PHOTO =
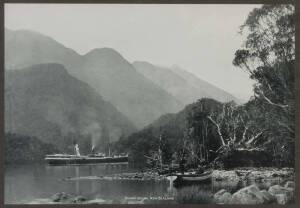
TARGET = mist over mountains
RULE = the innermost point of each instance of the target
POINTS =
(118, 82)
(104, 69)
(184, 86)
(46, 102)
(101, 84)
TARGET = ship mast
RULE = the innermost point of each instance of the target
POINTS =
(108, 146)
(160, 153)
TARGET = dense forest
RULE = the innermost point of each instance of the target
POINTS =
(260, 132)
(20, 149)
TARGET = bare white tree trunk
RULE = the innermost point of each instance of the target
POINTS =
(218, 130)
(253, 138)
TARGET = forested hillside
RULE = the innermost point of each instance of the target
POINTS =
(20, 149)
(259, 133)
(46, 102)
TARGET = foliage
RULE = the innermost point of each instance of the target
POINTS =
(176, 136)
(269, 58)
(232, 158)
(20, 149)
(208, 130)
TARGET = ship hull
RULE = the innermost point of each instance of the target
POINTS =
(85, 160)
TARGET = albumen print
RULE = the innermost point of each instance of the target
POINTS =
(149, 104)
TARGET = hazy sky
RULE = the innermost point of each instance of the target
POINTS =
(201, 39)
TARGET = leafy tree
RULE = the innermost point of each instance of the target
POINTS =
(269, 53)
(21, 149)
(268, 56)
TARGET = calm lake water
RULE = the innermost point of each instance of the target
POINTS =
(26, 183)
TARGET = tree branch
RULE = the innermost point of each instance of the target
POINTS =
(287, 127)
(270, 102)
(218, 129)
(249, 142)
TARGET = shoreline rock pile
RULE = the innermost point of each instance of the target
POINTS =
(140, 176)
(253, 195)
(256, 174)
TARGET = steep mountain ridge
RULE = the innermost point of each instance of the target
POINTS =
(204, 87)
(24, 48)
(46, 102)
(186, 87)
(119, 82)
(104, 69)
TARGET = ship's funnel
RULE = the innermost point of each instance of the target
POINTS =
(77, 150)
(93, 149)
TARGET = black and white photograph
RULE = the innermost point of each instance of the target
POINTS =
(149, 103)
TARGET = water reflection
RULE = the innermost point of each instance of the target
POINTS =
(230, 185)
(27, 183)
(42, 181)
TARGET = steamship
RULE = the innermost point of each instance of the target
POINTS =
(78, 159)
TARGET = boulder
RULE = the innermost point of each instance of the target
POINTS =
(79, 199)
(98, 201)
(67, 198)
(225, 175)
(250, 195)
(268, 198)
(277, 189)
(222, 197)
(59, 197)
(220, 193)
(290, 184)
(282, 199)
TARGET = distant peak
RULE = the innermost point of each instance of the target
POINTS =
(105, 50)
(36, 37)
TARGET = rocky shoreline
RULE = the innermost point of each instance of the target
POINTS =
(138, 176)
(251, 194)
(257, 174)
(65, 198)
(239, 174)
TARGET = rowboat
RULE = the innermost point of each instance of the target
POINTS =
(183, 179)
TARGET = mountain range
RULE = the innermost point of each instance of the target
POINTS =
(184, 86)
(103, 69)
(46, 102)
(141, 91)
